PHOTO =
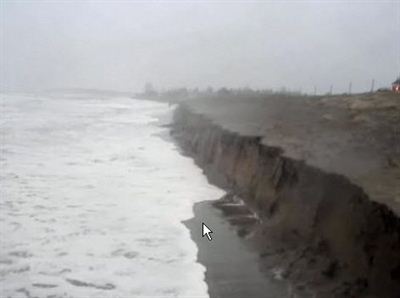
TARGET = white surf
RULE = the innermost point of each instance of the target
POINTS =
(92, 200)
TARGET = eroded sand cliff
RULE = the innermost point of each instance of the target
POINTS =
(314, 222)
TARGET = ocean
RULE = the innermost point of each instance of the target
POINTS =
(92, 197)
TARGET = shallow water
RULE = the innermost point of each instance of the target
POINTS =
(92, 200)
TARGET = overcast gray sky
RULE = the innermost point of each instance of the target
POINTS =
(122, 44)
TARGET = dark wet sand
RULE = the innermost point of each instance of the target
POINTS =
(232, 267)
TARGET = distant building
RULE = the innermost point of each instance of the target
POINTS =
(396, 86)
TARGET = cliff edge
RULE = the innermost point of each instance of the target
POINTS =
(313, 184)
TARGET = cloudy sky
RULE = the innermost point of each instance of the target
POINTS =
(261, 44)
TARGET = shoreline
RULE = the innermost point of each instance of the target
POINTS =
(233, 269)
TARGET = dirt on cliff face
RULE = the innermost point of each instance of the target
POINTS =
(316, 228)
(357, 136)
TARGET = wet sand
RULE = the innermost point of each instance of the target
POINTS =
(232, 266)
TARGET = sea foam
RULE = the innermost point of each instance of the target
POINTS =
(92, 200)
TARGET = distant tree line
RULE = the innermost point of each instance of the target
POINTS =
(182, 92)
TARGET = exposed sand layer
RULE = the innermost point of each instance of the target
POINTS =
(356, 136)
(318, 178)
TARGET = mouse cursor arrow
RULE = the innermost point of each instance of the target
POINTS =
(206, 231)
